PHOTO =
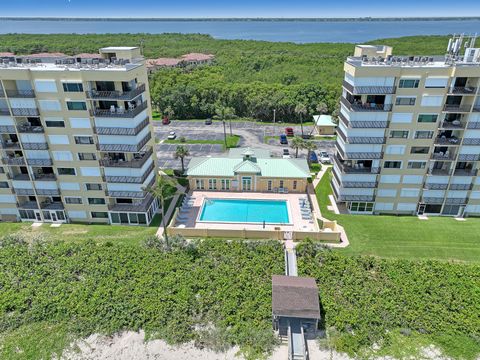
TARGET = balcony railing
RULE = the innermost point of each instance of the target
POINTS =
(440, 172)
(456, 108)
(118, 113)
(366, 140)
(465, 172)
(8, 144)
(473, 125)
(468, 157)
(48, 192)
(30, 129)
(2, 93)
(359, 184)
(130, 179)
(464, 90)
(447, 141)
(25, 192)
(432, 200)
(366, 106)
(25, 112)
(126, 194)
(35, 146)
(116, 95)
(4, 111)
(373, 90)
(21, 93)
(476, 108)
(14, 160)
(142, 206)
(443, 156)
(122, 131)
(125, 148)
(364, 155)
(134, 163)
(40, 162)
(56, 205)
(470, 141)
(21, 177)
(45, 177)
(358, 169)
(456, 124)
(357, 198)
(29, 205)
(7, 129)
(461, 186)
(456, 201)
(435, 186)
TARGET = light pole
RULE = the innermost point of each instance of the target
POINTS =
(274, 111)
(224, 134)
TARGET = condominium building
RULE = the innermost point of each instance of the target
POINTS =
(76, 138)
(409, 132)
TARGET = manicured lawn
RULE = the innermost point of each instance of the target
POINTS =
(232, 141)
(442, 238)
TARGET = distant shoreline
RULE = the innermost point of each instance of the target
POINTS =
(259, 19)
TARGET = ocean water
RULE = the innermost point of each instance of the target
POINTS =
(292, 31)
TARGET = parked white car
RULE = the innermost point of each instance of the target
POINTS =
(171, 135)
(324, 157)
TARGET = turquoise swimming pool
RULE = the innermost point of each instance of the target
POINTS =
(245, 211)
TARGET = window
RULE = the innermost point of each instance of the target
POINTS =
(399, 134)
(87, 156)
(212, 184)
(96, 201)
(199, 184)
(408, 83)
(294, 184)
(281, 184)
(83, 140)
(361, 206)
(225, 184)
(392, 164)
(3, 184)
(55, 123)
(99, 215)
(76, 105)
(405, 101)
(92, 187)
(423, 134)
(66, 171)
(419, 150)
(417, 164)
(73, 200)
(72, 87)
(427, 118)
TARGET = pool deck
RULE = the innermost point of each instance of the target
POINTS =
(293, 199)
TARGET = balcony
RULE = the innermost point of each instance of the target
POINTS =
(130, 179)
(443, 140)
(366, 140)
(141, 206)
(473, 125)
(28, 205)
(358, 106)
(137, 161)
(455, 124)
(434, 186)
(471, 142)
(364, 155)
(7, 129)
(447, 155)
(442, 172)
(119, 113)
(461, 186)
(432, 200)
(40, 162)
(45, 177)
(468, 157)
(25, 112)
(462, 90)
(476, 108)
(48, 192)
(356, 168)
(122, 131)
(357, 198)
(116, 95)
(363, 124)
(25, 192)
(125, 148)
(4, 111)
(35, 146)
(456, 201)
(2, 93)
(20, 160)
(30, 129)
(369, 90)
(126, 194)
(22, 177)
(456, 108)
(359, 184)
(21, 93)
(465, 172)
(9, 144)
(52, 205)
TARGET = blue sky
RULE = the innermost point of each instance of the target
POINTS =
(239, 8)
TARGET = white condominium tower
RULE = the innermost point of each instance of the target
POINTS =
(76, 138)
(408, 138)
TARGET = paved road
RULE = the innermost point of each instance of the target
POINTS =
(252, 134)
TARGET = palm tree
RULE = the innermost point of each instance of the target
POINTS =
(301, 110)
(180, 153)
(322, 108)
(309, 146)
(163, 190)
(225, 113)
(297, 143)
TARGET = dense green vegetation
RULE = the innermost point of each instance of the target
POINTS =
(252, 77)
(370, 301)
(216, 293)
(407, 237)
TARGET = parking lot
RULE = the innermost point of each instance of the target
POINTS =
(165, 153)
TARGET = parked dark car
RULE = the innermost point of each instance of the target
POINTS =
(289, 131)
(313, 157)
(283, 139)
(165, 120)
(208, 122)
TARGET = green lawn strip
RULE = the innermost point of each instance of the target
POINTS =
(232, 141)
(442, 238)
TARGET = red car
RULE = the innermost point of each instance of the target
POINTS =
(289, 131)
(166, 121)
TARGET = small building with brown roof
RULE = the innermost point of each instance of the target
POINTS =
(295, 301)
(197, 58)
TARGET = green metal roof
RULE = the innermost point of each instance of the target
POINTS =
(253, 152)
(323, 120)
